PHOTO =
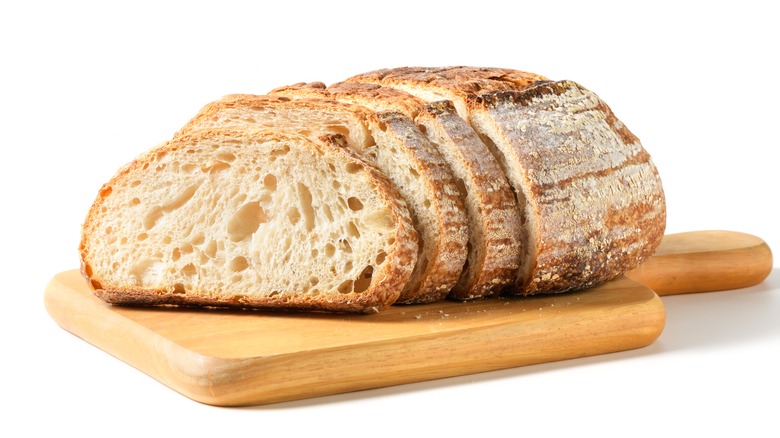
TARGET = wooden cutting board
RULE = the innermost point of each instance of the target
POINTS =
(231, 358)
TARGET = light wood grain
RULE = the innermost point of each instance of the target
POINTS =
(705, 261)
(244, 358)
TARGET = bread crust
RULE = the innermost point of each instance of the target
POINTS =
(593, 195)
(388, 279)
(490, 202)
(594, 188)
(456, 83)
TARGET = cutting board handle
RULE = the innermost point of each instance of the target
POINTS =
(705, 261)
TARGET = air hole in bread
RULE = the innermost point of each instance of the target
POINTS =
(273, 155)
(332, 168)
(346, 287)
(211, 249)
(380, 258)
(109, 230)
(189, 270)
(141, 236)
(314, 253)
(166, 240)
(293, 215)
(348, 267)
(427, 203)
(135, 201)
(338, 129)
(352, 230)
(178, 288)
(105, 191)
(246, 221)
(226, 157)
(135, 183)
(238, 264)
(328, 213)
(216, 167)
(345, 246)
(330, 250)
(151, 218)
(176, 254)
(335, 184)
(353, 167)
(96, 284)
(354, 204)
(123, 240)
(186, 248)
(188, 167)
(304, 196)
(269, 182)
(414, 172)
(363, 282)
(379, 219)
(198, 238)
(313, 281)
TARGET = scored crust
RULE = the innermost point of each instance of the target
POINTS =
(596, 205)
(594, 201)
(458, 83)
(494, 245)
(387, 280)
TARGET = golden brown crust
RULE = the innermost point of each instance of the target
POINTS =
(433, 280)
(374, 97)
(595, 191)
(494, 235)
(389, 279)
(593, 196)
(453, 83)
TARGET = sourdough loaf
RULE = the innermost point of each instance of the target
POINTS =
(396, 146)
(593, 201)
(245, 218)
(494, 248)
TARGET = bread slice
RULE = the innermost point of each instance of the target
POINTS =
(494, 248)
(397, 147)
(250, 219)
(594, 203)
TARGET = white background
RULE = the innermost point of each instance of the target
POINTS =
(85, 87)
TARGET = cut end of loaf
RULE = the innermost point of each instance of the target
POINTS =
(249, 219)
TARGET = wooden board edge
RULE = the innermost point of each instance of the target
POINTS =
(264, 380)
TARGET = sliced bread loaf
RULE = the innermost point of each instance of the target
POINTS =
(594, 204)
(251, 219)
(397, 147)
(494, 248)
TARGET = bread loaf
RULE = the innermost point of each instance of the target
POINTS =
(593, 202)
(397, 147)
(245, 218)
(494, 248)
